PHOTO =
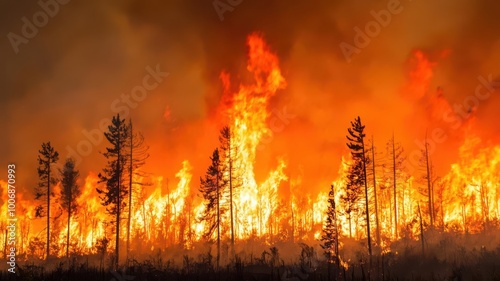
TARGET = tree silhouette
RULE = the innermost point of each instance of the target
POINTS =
(357, 146)
(211, 189)
(137, 156)
(229, 156)
(113, 195)
(330, 237)
(47, 156)
(395, 150)
(421, 224)
(70, 191)
(350, 199)
(429, 179)
(371, 159)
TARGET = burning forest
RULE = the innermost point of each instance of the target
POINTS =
(257, 156)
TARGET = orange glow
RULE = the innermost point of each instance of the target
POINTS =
(167, 213)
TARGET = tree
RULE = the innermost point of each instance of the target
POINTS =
(397, 160)
(421, 224)
(371, 160)
(46, 158)
(330, 237)
(429, 179)
(440, 200)
(350, 199)
(229, 156)
(70, 191)
(357, 146)
(137, 155)
(211, 189)
(113, 195)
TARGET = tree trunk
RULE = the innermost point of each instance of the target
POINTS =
(130, 190)
(429, 185)
(293, 223)
(421, 229)
(395, 188)
(69, 221)
(485, 205)
(366, 203)
(337, 258)
(117, 243)
(218, 220)
(350, 226)
(375, 195)
(48, 210)
(231, 193)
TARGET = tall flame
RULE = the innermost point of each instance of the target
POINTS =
(467, 197)
(248, 114)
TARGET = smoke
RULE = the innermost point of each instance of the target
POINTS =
(65, 79)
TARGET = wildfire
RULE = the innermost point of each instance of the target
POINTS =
(247, 115)
(471, 189)
(467, 198)
(158, 213)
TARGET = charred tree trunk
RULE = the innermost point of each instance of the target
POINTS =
(48, 213)
(130, 189)
(350, 225)
(230, 158)
(485, 206)
(367, 209)
(118, 209)
(429, 184)
(337, 258)
(377, 233)
(218, 222)
(293, 223)
(69, 221)
(421, 229)
(395, 188)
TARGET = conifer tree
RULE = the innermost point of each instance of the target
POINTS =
(114, 192)
(330, 237)
(70, 191)
(357, 146)
(211, 188)
(47, 157)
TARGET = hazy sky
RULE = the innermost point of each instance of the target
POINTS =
(69, 73)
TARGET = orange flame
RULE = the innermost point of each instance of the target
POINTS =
(468, 195)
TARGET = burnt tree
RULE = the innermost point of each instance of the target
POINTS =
(395, 151)
(352, 195)
(211, 189)
(330, 237)
(46, 158)
(229, 155)
(356, 144)
(371, 160)
(114, 192)
(70, 191)
(428, 179)
(137, 156)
